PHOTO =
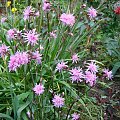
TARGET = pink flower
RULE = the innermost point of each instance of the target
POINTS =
(92, 67)
(46, 6)
(75, 116)
(75, 58)
(37, 13)
(3, 50)
(29, 114)
(60, 66)
(38, 89)
(90, 78)
(77, 75)
(3, 19)
(92, 13)
(107, 74)
(27, 12)
(52, 34)
(32, 37)
(18, 34)
(58, 101)
(67, 19)
(37, 56)
(20, 58)
(11, 33)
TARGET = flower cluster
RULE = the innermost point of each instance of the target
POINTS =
(28, 12)
(20, 58)
(37, 56)
(60, 66)
(92, 13)
(75, 58)
(31, 37)
(90, 78)
(67, 19)
(53, 34)
(11, 34)
(76, 75)
(107, 74)
(3, 19)
(38, 89)
(75, 116)
(46, 6)
(92, 67)
(3, 50)
(58, 101)
(89, 75)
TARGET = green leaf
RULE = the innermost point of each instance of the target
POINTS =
(115, 68)
(79, 25)
(22, 108)
(105, 84)
(73, 92)
(23, 96)
(82, 102)
(15, 103)
(5, 116)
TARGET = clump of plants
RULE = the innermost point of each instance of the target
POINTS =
(47, 71)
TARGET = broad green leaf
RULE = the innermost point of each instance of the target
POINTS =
(5, 116)
(73, 92)
(116, 67)
(22, 108)
(23, 96)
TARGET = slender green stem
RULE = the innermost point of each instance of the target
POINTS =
(48, 23)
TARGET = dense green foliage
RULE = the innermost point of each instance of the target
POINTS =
(92, 39)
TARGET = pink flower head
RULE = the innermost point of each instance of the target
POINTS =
(11, 33)
(75, 116)
(92, 67)
(58, 101)
(37, 56)
(18, 34)
(27, 12)
(60, 66)
(3, 50)
(20, 58)
(46, 6)
(29, 114)
(90, 78)
(76, 75)
(75, 58)
(37, 13)
(52, 34)
(38, 89)
(67, 19)
(92, 13)
(31, 36)
(3, 19)
(107, 74)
